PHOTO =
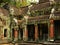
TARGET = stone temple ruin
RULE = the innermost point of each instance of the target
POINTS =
(34, 23)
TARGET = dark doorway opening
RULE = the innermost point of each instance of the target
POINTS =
(43, 32)
(5, 32)
(57, 29)
(12, 33)
(31, 32)
(20, 34)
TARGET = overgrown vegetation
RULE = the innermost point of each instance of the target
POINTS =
(44, 11)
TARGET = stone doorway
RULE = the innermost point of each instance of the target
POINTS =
(31, 32)
(43, 32)
(57, 29)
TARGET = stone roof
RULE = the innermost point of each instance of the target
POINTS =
(57, 0)
(43, 1)
(40, 6)
(4, 12)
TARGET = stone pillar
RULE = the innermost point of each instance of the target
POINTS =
(51, 34)
(25, 33)
(19, 34)
(15, 34)
(36, 32)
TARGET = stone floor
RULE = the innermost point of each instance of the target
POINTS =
(20, 44)
(28, 44)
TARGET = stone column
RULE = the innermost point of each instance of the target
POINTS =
(25, 33)
(15, 34)
(19, 34)
(51, 34)
(36, 32)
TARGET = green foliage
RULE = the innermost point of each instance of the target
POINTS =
(5, 1)
(1, 1)
(57, 6)
(18, 4)
(12, 2)
(24, 3)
